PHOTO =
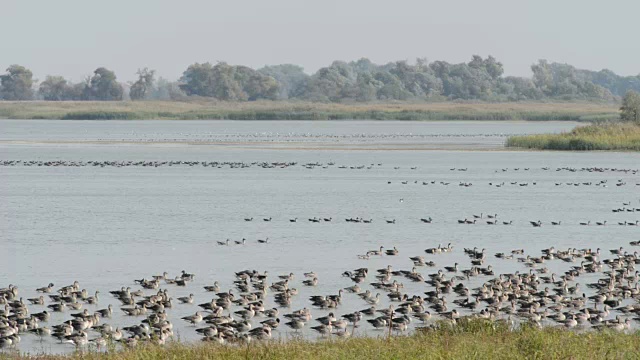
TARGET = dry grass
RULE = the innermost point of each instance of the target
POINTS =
(290, 110)
(475, 340)
(620, 136)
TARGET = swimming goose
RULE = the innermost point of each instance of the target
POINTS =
(295, 324)
(213, 288)
(378, 323)
(37, 301)
(392, 252)
(267, 219)
(311, 282)
(375, 252)
(186, 299)
(248, 219)
(263, 241)
(586, 223)
(240, 242)
(47, 289)
(224, 243)
(193, 319)
(293, 220)
(452, 268)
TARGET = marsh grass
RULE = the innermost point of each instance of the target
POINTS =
(618, 136)
(475, 339)
(295, 110)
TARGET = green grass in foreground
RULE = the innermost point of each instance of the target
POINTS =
(620, 136)
(300, 110)
(474, 340)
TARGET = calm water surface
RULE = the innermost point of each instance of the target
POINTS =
(106, 226)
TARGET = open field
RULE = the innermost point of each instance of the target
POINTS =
(269, 110)
(593, 137)
(475, 340)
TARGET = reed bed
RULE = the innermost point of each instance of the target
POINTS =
(476, 339)
(299, 110)
(618, 136)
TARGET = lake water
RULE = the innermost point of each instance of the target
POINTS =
(106, 225)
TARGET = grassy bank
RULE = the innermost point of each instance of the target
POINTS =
(593, 137)
(269, 110)
(476, 340)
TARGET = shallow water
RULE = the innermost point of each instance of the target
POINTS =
(106, 226)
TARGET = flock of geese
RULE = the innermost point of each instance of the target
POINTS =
(259, 304)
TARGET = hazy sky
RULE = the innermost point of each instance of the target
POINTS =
(73, 37)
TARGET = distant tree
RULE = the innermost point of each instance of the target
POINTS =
(143, 86)
(55, 88)
(630, 109)
(166, 90)
(198, 80)
(16, 83)
(291, 79)
(103, 86)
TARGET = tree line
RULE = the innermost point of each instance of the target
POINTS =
(356, 81)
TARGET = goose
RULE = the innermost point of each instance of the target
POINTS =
(586, 223)
(391, 221)
(392, 252)
(272, 322)
(428, 220)
(556, 222)
(213, 288)
(311, 282)
(47, 289)
(267, 219)
(295, 324)
(105, 313)
(263, 241)
(536, 224)
(186, 299)
(193, 319)
(93, 299)
(224, 243)
(507, 222)
(241, 242)
(378, 323)
(375, 300)
(478, 216)
(492, 216)
(37, 301)
(375, 252)
(293, 220)
(248, 219)
(452, 268)
(327, 219)
(601, 223)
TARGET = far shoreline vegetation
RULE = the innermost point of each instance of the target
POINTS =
(208, 109)
(356, 90)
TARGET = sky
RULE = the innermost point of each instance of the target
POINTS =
(73, 37)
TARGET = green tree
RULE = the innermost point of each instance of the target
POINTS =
(630, 109)
(103, 86)
(143, 86)
(291, 79)
(16, 83)
(198, 80)
(55, 88)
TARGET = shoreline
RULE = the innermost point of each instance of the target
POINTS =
(206, 109)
